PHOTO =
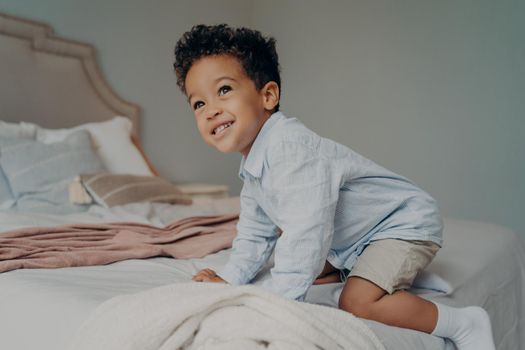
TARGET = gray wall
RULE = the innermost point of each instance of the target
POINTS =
(434, 90)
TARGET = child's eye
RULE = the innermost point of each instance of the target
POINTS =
(197, 105)
(224, 89)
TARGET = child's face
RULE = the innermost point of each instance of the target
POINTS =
(228, 108)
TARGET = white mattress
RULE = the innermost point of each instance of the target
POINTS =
(482, 263)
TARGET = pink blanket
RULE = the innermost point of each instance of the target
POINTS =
(100, 244)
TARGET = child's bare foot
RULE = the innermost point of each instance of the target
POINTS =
(207, 275)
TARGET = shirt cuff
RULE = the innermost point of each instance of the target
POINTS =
(284, 290)
(232, 275)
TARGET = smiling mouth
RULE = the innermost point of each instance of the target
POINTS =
(220, 129)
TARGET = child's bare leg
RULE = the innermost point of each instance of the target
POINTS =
(329, 275)
(332, 277)
(469, 328)
(401, 309)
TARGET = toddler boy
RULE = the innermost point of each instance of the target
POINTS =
(321, 207)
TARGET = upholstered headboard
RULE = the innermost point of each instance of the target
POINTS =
(51, 81)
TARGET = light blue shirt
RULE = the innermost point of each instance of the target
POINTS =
(328, 201)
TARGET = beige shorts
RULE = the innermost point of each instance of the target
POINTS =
(393, 264)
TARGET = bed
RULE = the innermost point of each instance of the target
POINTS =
(56, 83)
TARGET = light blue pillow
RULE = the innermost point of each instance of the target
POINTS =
(6, 197)
(39, 174)
(12, 130)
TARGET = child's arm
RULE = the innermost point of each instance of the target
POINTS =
(304, 198)
(253, 245)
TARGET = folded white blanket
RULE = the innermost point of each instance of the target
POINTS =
(218, 316)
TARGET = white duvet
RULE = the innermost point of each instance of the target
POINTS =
(481, 264)
(216, 317)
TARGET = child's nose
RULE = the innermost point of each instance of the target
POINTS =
(213, 111)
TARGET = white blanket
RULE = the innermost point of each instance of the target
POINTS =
(217, 316)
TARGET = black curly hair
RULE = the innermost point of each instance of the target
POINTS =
(256, 53)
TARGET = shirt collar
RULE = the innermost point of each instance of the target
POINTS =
(253, 163)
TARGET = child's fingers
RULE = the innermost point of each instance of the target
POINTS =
(217, 279)
(209, 272)
(204, 279)
(204, 275)
(197, 278)
(214, 279)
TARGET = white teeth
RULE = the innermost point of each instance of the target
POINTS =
(221, 128)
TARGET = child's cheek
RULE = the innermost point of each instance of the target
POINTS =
(202, 131)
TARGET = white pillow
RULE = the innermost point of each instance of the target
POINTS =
(112, 142)
(18, 130)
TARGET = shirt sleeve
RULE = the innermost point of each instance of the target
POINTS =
(253, 245)
(305, 190)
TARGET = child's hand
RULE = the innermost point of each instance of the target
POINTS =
(207, 275)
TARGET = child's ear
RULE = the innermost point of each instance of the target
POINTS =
(270, 94)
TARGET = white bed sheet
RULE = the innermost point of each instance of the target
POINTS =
(484, 265)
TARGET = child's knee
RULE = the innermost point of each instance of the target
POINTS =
(362, 309)
(360, 297)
